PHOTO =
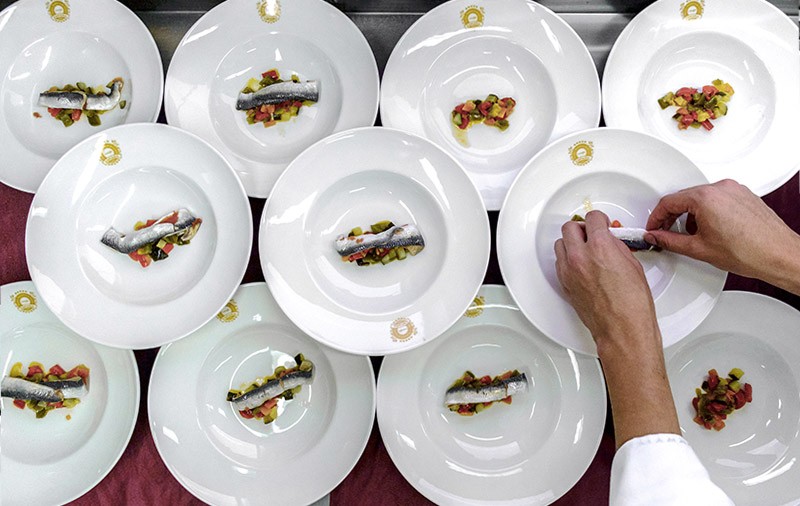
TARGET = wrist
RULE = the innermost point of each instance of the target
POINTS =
(782, 268)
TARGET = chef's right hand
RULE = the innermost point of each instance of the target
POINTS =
(729, 227)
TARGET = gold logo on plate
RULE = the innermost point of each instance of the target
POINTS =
(402, 329)
(472, 16)
(692, 9)
(269, 10)
(24, 301)
(476, 308)
(58, 10)
(111, 153)
(229, 313)
(581, 152)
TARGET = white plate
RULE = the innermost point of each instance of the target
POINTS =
(59, 42)
(465, 50)
(118, 177)
(55, 460)
(755, 456)
(748, 43)
(353, 179)
(222, 458)
(623, 174)
(240, 39)
(530, 452)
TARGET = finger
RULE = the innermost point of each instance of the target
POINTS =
(684, 244)
(596, 222)
(561, 260)
(573, 234)
(670, 207)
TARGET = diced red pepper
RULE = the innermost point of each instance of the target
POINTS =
(168, 247)
(298, 104)
(80, 371)
(507, 400)
(54, 111)
(76, 114)
(738, 399)
(56, 370)
(486, 379)
(713, 379)
(709, 91)
(270, 73)
(246, 413)
(616, 224)
(34, 369)
(19, 403)
(686, 92)
(464, 121)
(748, 392)
(707, 125)
(484, 107)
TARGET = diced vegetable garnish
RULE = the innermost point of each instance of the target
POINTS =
(160, 250)
(36, 373)
(271, 114)
(697, 108)
(492, 111)
(69, 116)
(719, 398)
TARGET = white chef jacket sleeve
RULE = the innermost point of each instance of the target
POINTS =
(661, 470)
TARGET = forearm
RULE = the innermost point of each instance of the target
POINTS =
(783, 268)
(641, 399)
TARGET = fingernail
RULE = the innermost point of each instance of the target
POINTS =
(650, 239)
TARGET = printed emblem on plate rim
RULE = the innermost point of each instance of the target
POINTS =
(24, 301)
(693, 9)
(581, 152)
(269, 10)
(476, 308)
(472, 16)
(402, 329)
(229, 313)
(58, 10)
(111, 153)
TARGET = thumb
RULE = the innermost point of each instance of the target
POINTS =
(673, 241)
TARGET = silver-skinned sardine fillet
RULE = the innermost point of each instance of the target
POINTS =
(632, 237)
(103, 101)
(488, 393)
(62, 99)
(48, 391)
(272, 388)
(407, 236)
(152, 234)
(279, 92)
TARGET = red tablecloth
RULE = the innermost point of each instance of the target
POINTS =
(140, 477)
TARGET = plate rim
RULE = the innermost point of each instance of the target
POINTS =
(337, 137)
(153, 48)
(549, 13)
(495, 290)
(250, 288)
(760, 190)
(504, 217)
(133, 126)
(733, 298)
(130, 359)
(173, 121)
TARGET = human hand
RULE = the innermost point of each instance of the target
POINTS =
(607, 287)
(735, 230)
